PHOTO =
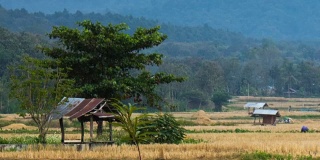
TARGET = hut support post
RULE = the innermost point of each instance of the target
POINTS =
(110, 130)
(91, 128)
(82, 132)
(100, 128)
(62, 129)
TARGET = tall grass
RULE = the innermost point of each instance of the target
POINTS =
(217, 147)
(200, 145)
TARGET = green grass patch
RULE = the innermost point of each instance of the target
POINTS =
(193, 141)
(51, 139)
(234, 108)
(18, 131)
(209, 131)
(299, 131)
(237, 130)
(186, 123)
(5, 123)
(235, 118)
(305, 117)
(225, 124)
(268, 156)
(35, 131)
(20, 140)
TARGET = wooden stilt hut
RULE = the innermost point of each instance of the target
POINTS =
(269, 116)
(85, 110)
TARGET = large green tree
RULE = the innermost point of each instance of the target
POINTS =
(107, 62)
(220, 98)
(39, 85)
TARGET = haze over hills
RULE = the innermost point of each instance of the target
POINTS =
(282, 20)
(204, 42)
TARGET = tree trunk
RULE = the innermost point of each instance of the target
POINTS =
(218, 107)
(140, 157)
(42, 136)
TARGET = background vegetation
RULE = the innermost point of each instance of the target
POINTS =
(211, 59)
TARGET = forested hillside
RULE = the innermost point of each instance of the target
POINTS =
(12, 47)
(212, 59)
(289, 20)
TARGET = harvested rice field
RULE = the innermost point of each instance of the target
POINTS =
(216, 135)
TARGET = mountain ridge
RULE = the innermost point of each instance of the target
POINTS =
(281, 20)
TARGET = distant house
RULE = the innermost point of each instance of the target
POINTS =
(251, 106)
(268, 116)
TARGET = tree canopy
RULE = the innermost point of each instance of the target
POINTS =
(107, 62)
(39, 85)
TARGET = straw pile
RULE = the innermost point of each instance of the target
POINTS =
(202, 118)
(18, 126)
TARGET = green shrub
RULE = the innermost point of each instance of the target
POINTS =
(53, 139)
(163, 128)
(117, 136)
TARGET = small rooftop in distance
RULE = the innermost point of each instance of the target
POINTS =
(266, 112)
(255, 105)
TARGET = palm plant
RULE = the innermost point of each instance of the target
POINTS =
(131, 124)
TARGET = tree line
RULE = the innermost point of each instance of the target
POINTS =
(211, 60)
(266, 69)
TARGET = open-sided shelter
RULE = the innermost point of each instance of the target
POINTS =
(269, 116)
(85, 110)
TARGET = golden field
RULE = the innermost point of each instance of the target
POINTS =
(217, 145)
(282, 139)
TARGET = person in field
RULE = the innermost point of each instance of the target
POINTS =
(304, 129)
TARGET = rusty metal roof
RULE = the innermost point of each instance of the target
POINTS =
(77, 107)
(65, 107)
(93, 103)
